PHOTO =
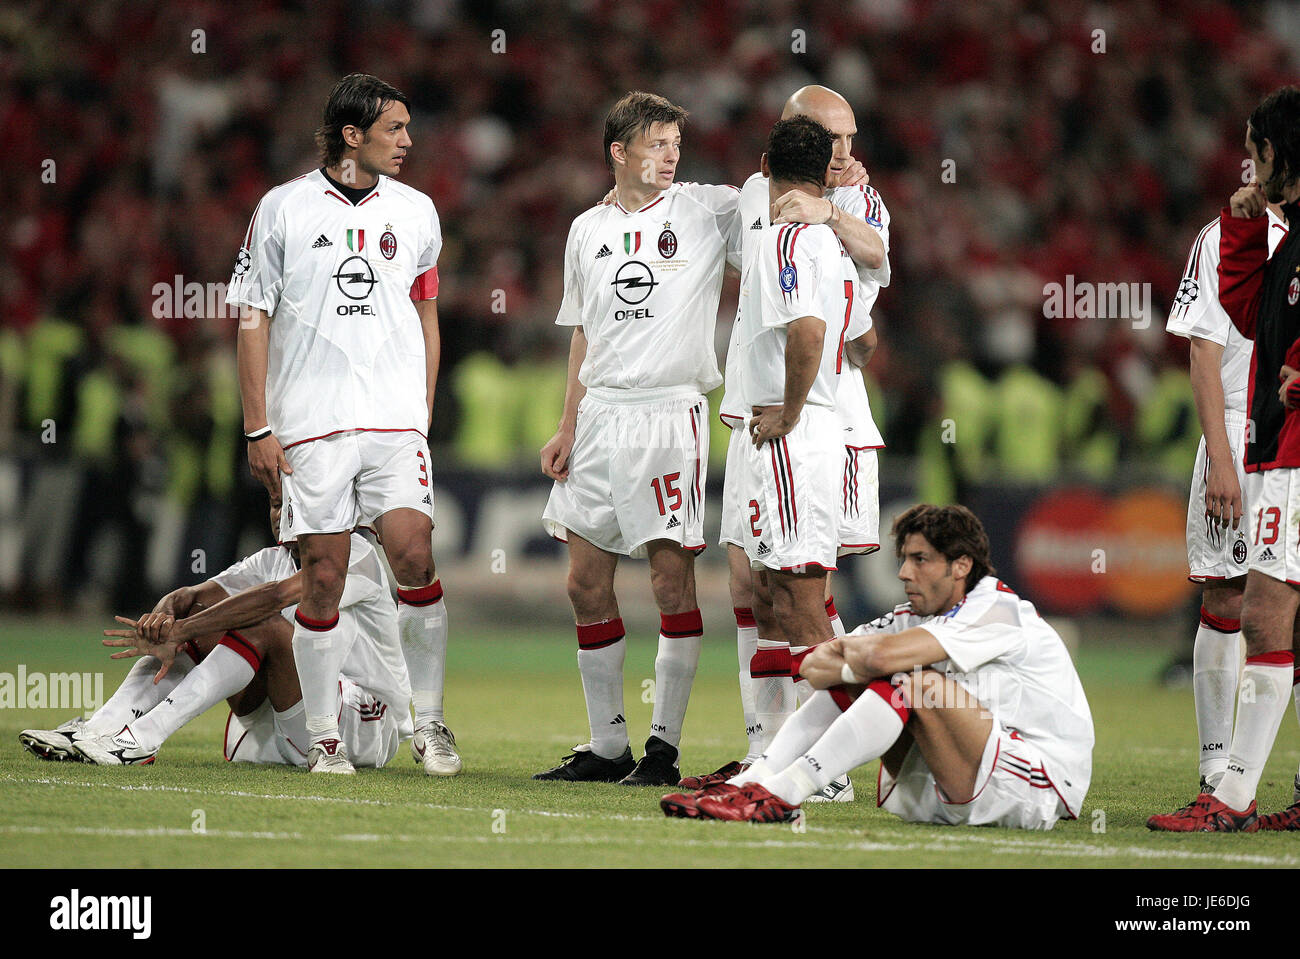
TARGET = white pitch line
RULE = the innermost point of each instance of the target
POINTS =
(187, 833)
(1065, 847)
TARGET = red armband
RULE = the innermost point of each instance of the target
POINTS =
(425, 286)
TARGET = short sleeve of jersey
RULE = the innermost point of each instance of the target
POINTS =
(789, 275)
(571, 306)
(894, 621)
(258, 277)
(433, 249)
(724, 202)
(985, 626)
(365, 580)
(865, 203)
(1196, 311)
(254, 570)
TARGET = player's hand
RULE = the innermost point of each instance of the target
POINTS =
(1223, 494)
(1249, 201)
(154, 627)
(555, 455)
(798, 207)
(768, 423)
(132, 643)
(855, 174)
(266, 462)
(1289, 391)
(610, 197)
(823, 665)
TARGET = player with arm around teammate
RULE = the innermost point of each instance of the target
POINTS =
(338, 354)
(964, 693)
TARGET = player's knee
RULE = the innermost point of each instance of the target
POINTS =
(588, 594)
(323, 581)
(1222, 603)
(672, 592)
(413, 568)
(1261, 635)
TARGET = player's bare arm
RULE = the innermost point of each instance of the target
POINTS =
(266, 458)
(555, 454)
(861, 240)
(428, 310)
(871, 657)
(803, 348)
(861, 349)
(1223, 502)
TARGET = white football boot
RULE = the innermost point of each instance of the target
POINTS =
(434, 747)
(117, 750)
(55, 744)
(329, 756)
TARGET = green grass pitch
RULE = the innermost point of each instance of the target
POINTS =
(515, 703)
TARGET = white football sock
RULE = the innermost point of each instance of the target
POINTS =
(223, 672)
(864, 732)
(799, 732)
(601, 649)
(773, 689)
(803, 690)
(422, 623)
(319, 651)
(1215, 659)
(138, 694)
(291, 726)
(680, 638)
(1265, 685)
(746, 644)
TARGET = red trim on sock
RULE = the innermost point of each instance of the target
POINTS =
(771, 661)
(1283, 657)
(841, 698)
(423, 596)
(893, 696)
(681, 625)
(192, 651)
(1295, 677)
(602, 634)
(316, 625)
(831, 612)
(1220, 624)
(796, 662)
(744, 617)
(238, 644)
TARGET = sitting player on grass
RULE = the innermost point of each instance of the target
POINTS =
(234, 634)
(965, 694)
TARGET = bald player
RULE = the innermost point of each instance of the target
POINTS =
(855, 212)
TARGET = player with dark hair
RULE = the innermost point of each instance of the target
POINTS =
(338, 358)
(642, 278)
(1261, 295)
(964, 693)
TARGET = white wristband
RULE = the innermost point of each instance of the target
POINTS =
(849, 677)
(256, 435)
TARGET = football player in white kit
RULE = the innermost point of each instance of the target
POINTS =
(1218, 515)
(231, 638)
(857, 214)
(965, 694)
(338, 358)
(642, 278)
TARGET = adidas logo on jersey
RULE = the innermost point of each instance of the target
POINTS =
(321, 241)
(757, 224)
(604, 251)
(427, 501)
(672, 522)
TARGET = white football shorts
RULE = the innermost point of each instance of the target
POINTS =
(353, 478)
(791, 489)
(735, 516)
(636, 473)
(1215, 552)
(1274, 498)
(1013, 789)
(860, 502)
(368, 727)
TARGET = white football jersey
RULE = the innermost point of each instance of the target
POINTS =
(797, 270)
(1196, 311)
(365, 594)
(644, 287)
(851, 399)
(1015, 665)
(346, 345)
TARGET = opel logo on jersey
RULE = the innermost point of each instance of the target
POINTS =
(355, 278)
(667, 244)
(633, 282)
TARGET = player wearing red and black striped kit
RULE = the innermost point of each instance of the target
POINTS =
(1262, 298)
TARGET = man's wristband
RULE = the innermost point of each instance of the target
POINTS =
(850, 678)
(256, 435)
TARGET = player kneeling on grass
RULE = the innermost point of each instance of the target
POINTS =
(965, 694)
(232, 638)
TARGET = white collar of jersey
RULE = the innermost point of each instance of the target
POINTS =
(622, 209)
(328, 188)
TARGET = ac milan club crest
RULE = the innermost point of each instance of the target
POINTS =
(1239, 551)
(388, 245)
(1293, 291)
(667, 243)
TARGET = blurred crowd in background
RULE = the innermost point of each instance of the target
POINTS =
(1015, 144)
